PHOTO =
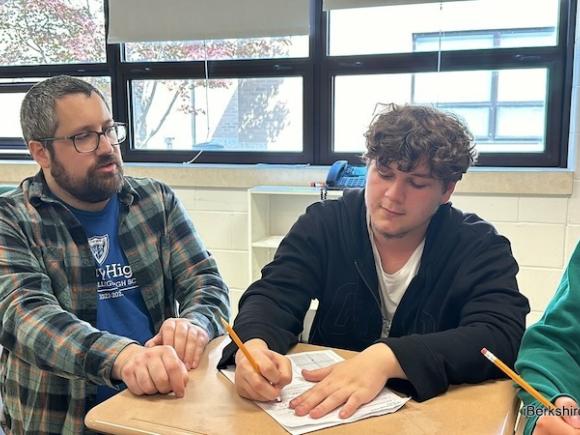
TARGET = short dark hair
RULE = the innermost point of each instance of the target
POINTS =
(38, 115)
(406, 134)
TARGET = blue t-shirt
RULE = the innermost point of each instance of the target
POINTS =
(120, 306)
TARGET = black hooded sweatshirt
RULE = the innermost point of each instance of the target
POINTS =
(464, 297)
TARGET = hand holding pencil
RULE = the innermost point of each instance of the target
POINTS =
(234, 336)
(263, 375)
(547, 424)
(517, 379)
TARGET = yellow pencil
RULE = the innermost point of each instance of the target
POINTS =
(241, 345)
(517, 379)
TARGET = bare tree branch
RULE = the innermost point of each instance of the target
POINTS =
(148, 102)
(162, 120)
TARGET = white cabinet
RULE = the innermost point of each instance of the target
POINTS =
(272, 210)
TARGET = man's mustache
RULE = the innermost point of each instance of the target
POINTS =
(107, 160)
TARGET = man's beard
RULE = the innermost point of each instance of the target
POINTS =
(95, 187)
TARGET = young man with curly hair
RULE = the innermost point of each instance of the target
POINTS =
(414, 284)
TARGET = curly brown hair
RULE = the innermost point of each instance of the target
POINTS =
(406, 134)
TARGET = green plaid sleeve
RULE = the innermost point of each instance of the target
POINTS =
(33, 324)
(200, 290)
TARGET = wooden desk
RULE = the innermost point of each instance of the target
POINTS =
(211, 406)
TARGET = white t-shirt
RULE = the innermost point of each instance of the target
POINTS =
(393, 285)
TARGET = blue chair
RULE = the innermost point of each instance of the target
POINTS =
(4, 188)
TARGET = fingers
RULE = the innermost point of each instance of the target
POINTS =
(253, 386)
(552, 425)
(151, 378)
(354, 402)
(167, 332)
(351, 383)
(277, 370)
(317, 401)
(304, 403)
(180, 338)
(572, 418)
(133, 385)
(192, 355)
(154, 341)
(318, 405)
(155, 370)
(188, 340)
(275, 373)
(197, 339)
(316, 375)
(177, 375)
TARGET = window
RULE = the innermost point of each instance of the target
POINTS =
(12, 93)
(39, 39)
(419, 27)
(504, 109)
(504, 73)
(309, 99)
(253, 114)
(49, 33)
(507, 110)
(225, 49)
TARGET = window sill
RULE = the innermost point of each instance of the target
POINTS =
(539, 182)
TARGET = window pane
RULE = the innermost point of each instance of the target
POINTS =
(225, 49)
(520, 122)
(103, 84)
(517, 126)
(528, 39)
(400, 29)
(476, 118)
(356, 98)
(462, 41)
(36, 32)
(522, 85)
(10, 103)
(10, 115)
(452, 87)
(256, 114)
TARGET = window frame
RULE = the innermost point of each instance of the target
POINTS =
(318, 72)
(556, 59)
(12, 143)
(493, 105)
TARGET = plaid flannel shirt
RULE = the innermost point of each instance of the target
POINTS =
(54, 357)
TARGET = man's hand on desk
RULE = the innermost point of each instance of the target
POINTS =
(150, 370)
(351, 383)
(551, 424)
(187, 339)
(275, 369)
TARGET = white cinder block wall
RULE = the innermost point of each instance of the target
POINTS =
(537, 229)
(221, 217)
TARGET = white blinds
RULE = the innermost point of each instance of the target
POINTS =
(176, 20)
(348, 4)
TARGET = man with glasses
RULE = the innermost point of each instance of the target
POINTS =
(103, 280)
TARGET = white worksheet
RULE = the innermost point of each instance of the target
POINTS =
(386, 402)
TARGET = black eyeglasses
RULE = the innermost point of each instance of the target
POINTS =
(88, 141)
